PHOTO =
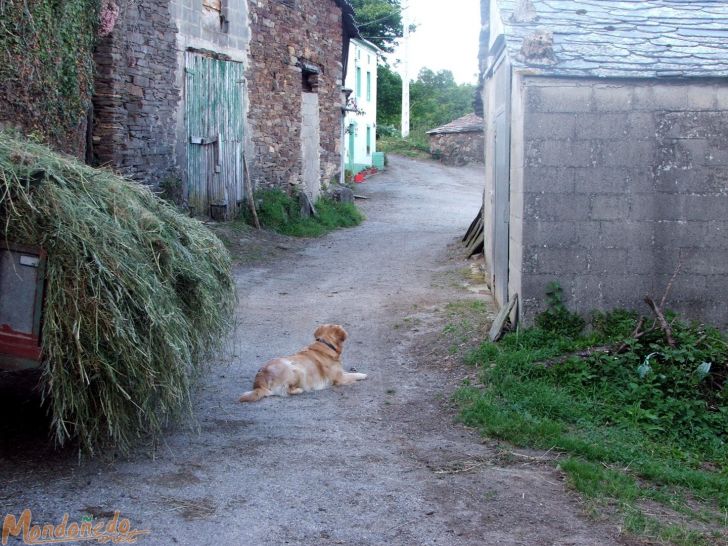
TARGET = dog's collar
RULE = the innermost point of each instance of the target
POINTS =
(327, 344)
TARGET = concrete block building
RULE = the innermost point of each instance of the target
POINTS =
(607, 153)
(360, 123)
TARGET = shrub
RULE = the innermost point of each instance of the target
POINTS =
(281, 212)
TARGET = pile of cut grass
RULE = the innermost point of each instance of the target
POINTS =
(136, 294)
(281, 212)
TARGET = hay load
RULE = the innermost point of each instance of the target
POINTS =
(136, 294)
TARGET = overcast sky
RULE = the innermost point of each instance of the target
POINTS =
(446, 37)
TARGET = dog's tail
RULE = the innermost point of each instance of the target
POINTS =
(255, 395)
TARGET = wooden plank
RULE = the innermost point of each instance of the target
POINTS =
(476, 246)
(496, 330)
(478, 218)
(478, 231)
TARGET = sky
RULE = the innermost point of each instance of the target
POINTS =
(446, 38)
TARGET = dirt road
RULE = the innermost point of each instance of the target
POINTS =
(380, 462)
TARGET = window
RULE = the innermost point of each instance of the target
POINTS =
(358, 81)
(369, 140)
(369, 85)
(217, 9)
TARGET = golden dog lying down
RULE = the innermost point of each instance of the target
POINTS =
(312, 368)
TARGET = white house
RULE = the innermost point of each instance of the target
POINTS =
(360, 121)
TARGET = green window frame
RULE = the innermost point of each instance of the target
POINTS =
(358, 81)
(369, 85)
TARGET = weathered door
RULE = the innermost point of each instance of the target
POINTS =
(310, 144)
(502, 208)
(502, 181)
(215, 120)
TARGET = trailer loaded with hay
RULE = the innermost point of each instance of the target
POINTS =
(111, 292)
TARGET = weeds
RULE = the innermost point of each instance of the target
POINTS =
(417, 145)
(281, 212)
(646, 422)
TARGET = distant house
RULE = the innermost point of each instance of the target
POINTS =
(607, 152)
(194, 96)
(360, 122)
(459, 142)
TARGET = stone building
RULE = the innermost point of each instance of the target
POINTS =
(607, 153)
(195, 95)
(459, 142)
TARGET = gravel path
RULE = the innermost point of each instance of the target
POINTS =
(379, 462)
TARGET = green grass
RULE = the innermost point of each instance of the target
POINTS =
(281, 212)
(417, 145)
(629, 432)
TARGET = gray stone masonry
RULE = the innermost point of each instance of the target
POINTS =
(622, 181)
(136, 96)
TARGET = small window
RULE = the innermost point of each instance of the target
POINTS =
(309, 75)
(369, 85)
(369, 140)
(219, 10)
(309, 81)
(358, 82)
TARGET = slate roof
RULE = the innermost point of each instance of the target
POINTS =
(469, 123)
(637, 38)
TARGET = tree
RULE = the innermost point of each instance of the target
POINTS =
(379, 21)
(389, 97)
(436, 99)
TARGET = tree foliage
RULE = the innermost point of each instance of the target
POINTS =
(389, 97)
(379, 21)
(435, 99)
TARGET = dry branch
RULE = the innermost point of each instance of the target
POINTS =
(661, 319)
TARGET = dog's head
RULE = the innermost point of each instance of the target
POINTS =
(333, 333)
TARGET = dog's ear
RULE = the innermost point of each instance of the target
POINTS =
(334, 332)
(321, 330)
(339, 332)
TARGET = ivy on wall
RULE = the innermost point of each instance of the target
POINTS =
(46, 68)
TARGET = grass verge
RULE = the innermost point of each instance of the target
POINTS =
(417, 145)
(643, 429)
(280, 212)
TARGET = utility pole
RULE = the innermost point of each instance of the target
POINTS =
(405, 72)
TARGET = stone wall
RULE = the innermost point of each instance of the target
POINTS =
(622, 181)
(458, 148)
(136, 97)
(284, 33)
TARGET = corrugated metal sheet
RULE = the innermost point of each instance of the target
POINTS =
(215, 119)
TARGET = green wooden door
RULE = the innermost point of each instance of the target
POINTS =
(215, 120)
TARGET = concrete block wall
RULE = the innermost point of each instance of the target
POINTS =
(622, 180)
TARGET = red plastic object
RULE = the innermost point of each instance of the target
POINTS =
(359, 178)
